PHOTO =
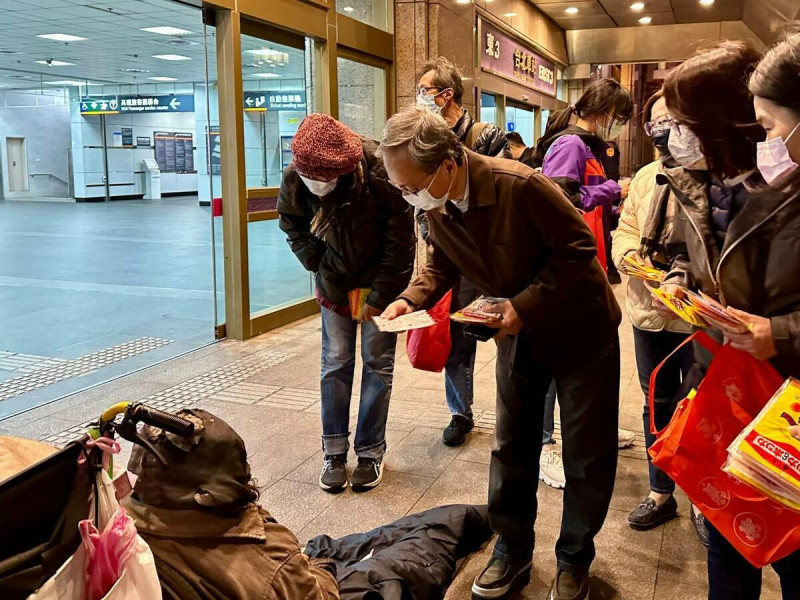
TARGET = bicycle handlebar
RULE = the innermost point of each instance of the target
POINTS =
(161, 419)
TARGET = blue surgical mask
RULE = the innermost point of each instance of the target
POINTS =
(427, 101)
(661, 142)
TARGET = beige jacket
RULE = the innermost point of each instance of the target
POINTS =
(627, 239)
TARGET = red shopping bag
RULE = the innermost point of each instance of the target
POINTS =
(693, 448)
(429, 348)
(594, 219)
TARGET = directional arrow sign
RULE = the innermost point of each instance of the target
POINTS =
(248, 101)
(174, 104)
(260, 101)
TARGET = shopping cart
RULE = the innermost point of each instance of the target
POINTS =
(40, 507)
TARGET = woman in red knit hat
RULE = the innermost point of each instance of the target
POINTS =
(354, 231)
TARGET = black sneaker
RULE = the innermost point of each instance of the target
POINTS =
(334, 473)
(649, 515)
(367, 474)
(700, 526)
(455, 434)
(569, 586)
(499, 576)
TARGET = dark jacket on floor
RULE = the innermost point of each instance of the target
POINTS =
(370, 245)
(758, 268)
(201, 555)
(522, 239)
(411, 559)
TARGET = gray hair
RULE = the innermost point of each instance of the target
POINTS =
(424, 136)
(445, 75)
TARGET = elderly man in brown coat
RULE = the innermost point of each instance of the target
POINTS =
(513, 234)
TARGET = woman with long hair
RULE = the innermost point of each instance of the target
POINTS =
(735, 238)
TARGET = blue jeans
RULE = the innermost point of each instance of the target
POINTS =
(652, 347)
(460, 367)
(336, 385)
(731, 577)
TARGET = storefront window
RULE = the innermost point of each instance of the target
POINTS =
(275, 102)
(488, 108)
(371, 12)
(362, 97)
(544, 119)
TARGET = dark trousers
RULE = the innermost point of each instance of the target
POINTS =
(652, 347)
(731, 577)
(588, 393)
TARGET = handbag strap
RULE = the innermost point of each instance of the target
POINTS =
(702, 338)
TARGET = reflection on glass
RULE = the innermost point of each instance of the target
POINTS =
(371, 12)
(362, 97)
(488, 108)
(276, 276)
(521, 121)
(275, 102)
(545, 117)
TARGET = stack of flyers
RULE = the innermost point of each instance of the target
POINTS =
(357, 299)
(416, 320)
(476, 312)
(766, 455)
(701, 310)
(634, 268)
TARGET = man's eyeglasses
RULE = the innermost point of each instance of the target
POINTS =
(428, 89)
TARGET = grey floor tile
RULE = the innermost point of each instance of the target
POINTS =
(461, 483)
(672, 590)
(352, 512)
(295, 504)
(279, 455)
(477, 448)
(421, 453)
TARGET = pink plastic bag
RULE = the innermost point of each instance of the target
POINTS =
(107, 552)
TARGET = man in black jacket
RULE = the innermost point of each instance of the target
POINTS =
(349, 226)
(440, 89)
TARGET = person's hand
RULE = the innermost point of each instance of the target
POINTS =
(510, 324)
(368, 312)
(794, 431)
(624, 184)
(758, 341)
(664, 311)
(398, 308)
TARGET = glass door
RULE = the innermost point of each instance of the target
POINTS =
(520, 119)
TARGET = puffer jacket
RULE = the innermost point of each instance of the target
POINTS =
(204, 556)
(370, 245)
(490, 142)
(627, 239)
(758, 268)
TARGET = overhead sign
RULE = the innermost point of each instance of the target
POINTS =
(506, 57)
(156, 103)
(277, 100)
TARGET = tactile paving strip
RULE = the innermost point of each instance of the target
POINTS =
(27, 363)
(64, 369)
(194, 391)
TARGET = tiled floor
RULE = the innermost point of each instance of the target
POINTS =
(267, 388)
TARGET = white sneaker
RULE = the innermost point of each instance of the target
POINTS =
(551, 468)
(625, 438)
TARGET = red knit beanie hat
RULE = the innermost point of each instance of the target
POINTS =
(324, 148)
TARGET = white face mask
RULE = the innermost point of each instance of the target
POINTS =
(773, 160)
(610, 133)
(684, 146)
(427, 101)
(319, 188)
(424, 200)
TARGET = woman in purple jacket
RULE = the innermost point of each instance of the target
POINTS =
(568, 152)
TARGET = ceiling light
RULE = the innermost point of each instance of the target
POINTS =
(463, 1)
(54, 63)
(134, 70)
(637, 6)
(571, 10)
(646, 20)
(510, 14)
(266, 75)
(706, 2)
(166, 30)
(69, 82)
(348, 9)
(61, 37)
(162, 79)
(171, 57)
